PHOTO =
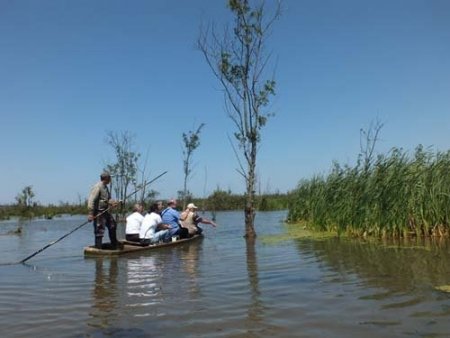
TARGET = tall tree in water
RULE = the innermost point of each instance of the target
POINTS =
(191, 141)
(239, 61)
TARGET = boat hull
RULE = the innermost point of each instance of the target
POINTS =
(130, 247)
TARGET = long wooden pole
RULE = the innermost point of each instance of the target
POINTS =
(81, 225)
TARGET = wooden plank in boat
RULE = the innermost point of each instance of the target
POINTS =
(129, 247)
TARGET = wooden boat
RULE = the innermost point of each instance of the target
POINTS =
(127, 247)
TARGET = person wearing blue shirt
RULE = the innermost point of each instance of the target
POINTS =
(171, 217)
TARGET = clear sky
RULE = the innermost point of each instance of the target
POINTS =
(72, 70)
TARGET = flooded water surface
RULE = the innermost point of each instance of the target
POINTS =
(222, 286)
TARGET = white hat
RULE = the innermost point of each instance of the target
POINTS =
(191, 206)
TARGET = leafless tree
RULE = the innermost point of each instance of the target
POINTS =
(191, 141)
(367, 142)
(124, 170)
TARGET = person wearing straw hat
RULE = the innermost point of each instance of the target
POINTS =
(190, 220)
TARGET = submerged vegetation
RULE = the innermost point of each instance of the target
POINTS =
(395, 195)
(295, 232)
(443, 288)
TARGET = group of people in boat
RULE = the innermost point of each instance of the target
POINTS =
(162, 224)
(159, 224)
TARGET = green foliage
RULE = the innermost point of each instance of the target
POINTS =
(25, 197)
(37, 210)
(396, 195)
(224, 200)
(219, 200)
(270, 202)
(240, 67)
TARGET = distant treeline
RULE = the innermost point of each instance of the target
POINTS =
(221, 200)
(36, 210)
(396, 195)
(218, 201)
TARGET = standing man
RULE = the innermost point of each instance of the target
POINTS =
(99, 202)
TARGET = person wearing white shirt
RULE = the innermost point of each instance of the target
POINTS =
(152, 229)
(134, 222)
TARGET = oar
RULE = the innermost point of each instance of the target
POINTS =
(81, 225)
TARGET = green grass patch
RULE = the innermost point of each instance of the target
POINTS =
(443, 288)
(402, 247)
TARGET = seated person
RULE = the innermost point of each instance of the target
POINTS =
(134, 222)
(150, 232)
(171, 217)
(190, 220)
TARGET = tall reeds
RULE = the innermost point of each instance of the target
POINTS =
(396, 195)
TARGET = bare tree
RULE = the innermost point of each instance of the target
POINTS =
(191, 141)
(124, 170)
(367, 142)
(142, 169)
(239, 61)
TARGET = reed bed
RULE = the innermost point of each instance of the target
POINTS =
(395, 195)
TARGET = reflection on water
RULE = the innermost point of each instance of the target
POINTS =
(392, 265)
(255, 309)
(190, 256)
(224, 286)
(146, 281)
(143, 287)
(104, 295)
(397, 278)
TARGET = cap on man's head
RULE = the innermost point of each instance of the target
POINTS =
(191, 206)
(171, 201)
(104, 175)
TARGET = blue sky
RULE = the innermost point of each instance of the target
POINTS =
(72, 70)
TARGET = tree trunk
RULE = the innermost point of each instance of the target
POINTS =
(249, 219)
(250, 197)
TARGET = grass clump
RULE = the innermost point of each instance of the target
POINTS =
(443, 288)
(394, 196)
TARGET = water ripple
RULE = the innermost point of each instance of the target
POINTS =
(221, 287)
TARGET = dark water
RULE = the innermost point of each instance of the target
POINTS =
(222, 286)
